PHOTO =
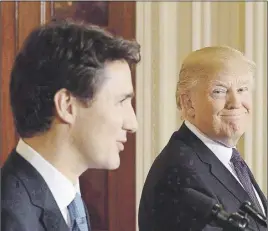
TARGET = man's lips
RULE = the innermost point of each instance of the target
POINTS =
(120, 145)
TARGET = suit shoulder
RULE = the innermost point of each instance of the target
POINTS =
(16, 209)
(16, 205)
(13, 192)
(176, 152)
(176, 160)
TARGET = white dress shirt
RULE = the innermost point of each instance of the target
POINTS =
(222, 152)
(62, 188)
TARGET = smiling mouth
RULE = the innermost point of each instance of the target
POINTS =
(235, 117)
(232, 115)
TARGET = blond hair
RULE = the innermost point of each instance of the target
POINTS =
(209, 61)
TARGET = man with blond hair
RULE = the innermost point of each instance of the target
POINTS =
(200, 162)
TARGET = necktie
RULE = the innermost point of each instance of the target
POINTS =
(78, 214)
(243, 173)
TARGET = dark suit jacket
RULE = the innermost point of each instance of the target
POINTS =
(27, 203)
(186, 162)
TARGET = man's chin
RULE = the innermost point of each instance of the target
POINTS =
(234, 129)
(105, 163)
(112, 164)
(230, 138)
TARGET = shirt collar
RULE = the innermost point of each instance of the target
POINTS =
(62, 188)
(222, 152)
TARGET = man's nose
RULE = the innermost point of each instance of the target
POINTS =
(233, 100)
(131, 123)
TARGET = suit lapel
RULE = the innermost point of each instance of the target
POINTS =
(52, 217)
(40, 194)
(52, 221)
(259, 191)
(216, 168)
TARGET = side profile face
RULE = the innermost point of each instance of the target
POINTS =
(222, 104)
(100, 130)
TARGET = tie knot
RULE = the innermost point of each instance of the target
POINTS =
(78, 214)
(236, 157)
(76, 208)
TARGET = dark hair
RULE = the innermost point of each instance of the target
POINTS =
(63, 54)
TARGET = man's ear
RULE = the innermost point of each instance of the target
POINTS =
(65, 106)
(187, 105)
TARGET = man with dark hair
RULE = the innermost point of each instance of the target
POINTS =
(70, 94)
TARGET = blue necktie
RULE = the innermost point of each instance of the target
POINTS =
(78, 215)
(243, 174)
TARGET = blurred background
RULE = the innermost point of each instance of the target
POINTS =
(167, 32)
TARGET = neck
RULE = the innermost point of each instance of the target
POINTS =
(226, 143)
(58, 152)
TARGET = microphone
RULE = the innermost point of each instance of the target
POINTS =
(210, 210)
(247, 208)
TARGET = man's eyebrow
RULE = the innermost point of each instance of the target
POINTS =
(220, 83)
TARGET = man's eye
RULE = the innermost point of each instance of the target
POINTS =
(242, 89)
(122, 101)
(219, 91)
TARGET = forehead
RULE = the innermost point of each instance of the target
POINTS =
(117, 76)
(231, 75)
